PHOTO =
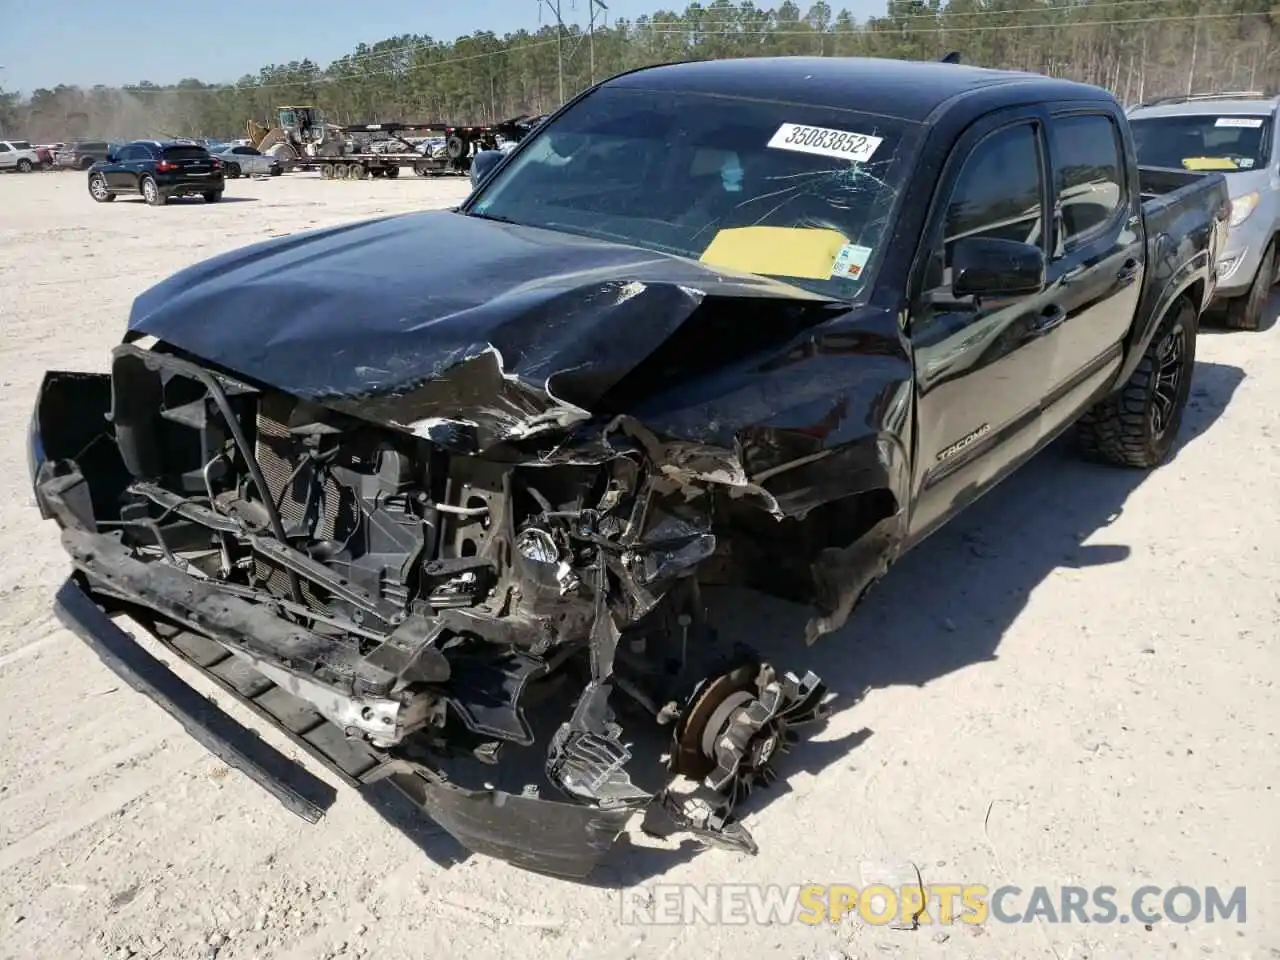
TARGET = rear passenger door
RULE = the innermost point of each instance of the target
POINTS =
(1095, 270)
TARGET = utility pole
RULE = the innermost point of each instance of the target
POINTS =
(591, 36)
(1195, 45)
(554, 7)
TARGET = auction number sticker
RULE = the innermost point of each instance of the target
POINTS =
(857, 147)
(1250, 122)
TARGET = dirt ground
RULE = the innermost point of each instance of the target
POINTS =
(1075, 683)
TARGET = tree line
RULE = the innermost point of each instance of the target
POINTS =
(1137, 48)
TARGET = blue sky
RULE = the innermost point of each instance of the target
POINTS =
(46, 42)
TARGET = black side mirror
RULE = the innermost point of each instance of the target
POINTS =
(987, 268)
(482, 163)
(111, 158)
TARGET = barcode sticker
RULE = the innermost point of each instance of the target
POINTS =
(850, 261)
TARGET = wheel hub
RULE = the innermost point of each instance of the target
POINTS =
(1169, 371)
(736, 724)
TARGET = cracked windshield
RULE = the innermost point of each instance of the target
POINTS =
(801, 194)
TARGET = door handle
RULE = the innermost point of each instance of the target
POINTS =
(1050, 317)
(1128, 273)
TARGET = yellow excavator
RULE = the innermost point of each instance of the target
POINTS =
(300, 134)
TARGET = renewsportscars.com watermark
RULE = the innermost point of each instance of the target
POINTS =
(911, 905)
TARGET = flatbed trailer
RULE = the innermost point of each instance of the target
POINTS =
(338, 161)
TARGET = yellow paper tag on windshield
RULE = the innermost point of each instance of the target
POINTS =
(803, 252)
(1209, 163)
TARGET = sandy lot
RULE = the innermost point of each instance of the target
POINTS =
(1076, 683)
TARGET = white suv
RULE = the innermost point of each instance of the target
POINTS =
(18, 155)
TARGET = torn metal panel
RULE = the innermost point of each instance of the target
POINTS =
(538, 341)
(371, 310)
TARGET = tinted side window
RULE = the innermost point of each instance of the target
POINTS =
(133, 153)
(1089, 185)
(998, 195)
(4, 148)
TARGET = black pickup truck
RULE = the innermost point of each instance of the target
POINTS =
(766, 322)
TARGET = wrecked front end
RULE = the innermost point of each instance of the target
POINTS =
(397, 598)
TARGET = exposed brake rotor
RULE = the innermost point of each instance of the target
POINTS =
(737, 723)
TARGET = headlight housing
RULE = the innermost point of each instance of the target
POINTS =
(1242, 207)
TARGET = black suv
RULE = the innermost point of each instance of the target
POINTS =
(157, 169)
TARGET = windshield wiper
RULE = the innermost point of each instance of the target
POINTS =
(495, 217)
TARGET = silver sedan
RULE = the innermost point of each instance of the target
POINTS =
(246, 161)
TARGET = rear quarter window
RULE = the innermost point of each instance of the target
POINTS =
(1089, 178)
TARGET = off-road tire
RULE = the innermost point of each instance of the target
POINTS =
(1136, 427)
(212, 196)
(151, 192)
(25, 165)
(102, 195)
(1245, 313)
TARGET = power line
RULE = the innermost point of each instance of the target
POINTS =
(326, 75)
(890, 28)
(323, 78)
(1034, 8)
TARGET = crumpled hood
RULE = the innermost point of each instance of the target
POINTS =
(372, 315)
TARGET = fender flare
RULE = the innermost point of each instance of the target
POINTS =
(1196, 270)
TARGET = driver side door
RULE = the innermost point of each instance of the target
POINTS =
(120, 171)
(982, 368)
(249, 159)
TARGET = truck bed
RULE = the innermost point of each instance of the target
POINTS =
(1185, 214)
(1168, 190)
